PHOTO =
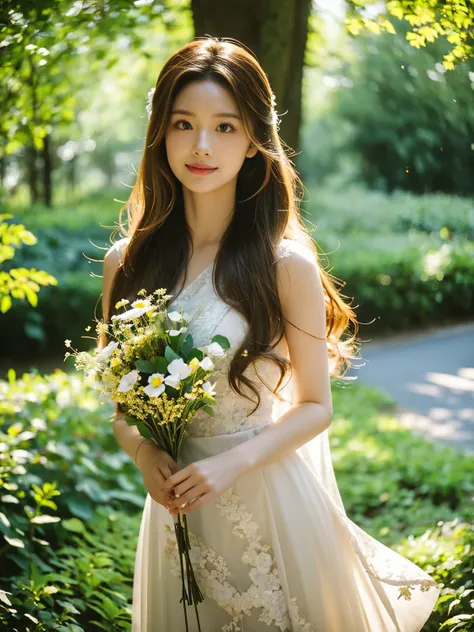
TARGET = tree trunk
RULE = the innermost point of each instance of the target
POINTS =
(32, 171)
(276, 31)
(72, 176)
(3, 170)
(47, 172)
(31, 150)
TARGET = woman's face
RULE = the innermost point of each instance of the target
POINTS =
(205, 128)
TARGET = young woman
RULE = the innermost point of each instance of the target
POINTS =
(214, 218)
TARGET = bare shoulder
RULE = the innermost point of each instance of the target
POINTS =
(297, 270)
(114, 255)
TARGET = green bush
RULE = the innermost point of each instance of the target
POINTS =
(72, 241)
(69, 493)
(354, 211)
(64, 310)
(407, 261)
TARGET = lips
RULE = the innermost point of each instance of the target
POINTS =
(201, 170)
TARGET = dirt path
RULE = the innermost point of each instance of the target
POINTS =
(431, 376)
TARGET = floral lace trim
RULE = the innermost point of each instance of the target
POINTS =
(406, 587)
(265, 591)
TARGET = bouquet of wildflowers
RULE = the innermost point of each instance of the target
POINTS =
(152, 369)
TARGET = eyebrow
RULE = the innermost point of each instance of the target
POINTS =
(218, 115)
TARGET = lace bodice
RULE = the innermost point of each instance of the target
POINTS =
(209, 316)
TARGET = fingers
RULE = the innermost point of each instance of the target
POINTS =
(154, 486)
(175, 467)
(177, 478)
(166, 471)
(189, 484)
(194, 492)
(205, 498)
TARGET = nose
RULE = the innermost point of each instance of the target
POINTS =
(202, 147)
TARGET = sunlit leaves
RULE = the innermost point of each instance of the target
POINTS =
(428, 19)
(18, 283)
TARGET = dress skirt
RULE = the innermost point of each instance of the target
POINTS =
(275, 552)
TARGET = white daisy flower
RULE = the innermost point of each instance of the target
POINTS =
(176, 332)
(107, 351)
(208, 388)
(128, 381)
(180, 368)
(214, 349)
(175, 316)
(173, 380)
(207, 364)
(156, 385)
(139, 308)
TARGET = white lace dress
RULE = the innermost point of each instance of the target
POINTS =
(276, 552)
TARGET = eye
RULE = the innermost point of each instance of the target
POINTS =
(227, 125)
(178, 123)
(181, 121)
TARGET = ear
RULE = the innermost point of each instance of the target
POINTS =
(251, 151)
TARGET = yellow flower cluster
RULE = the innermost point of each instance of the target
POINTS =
(138, 342)
(169, 409)
(194, 365)
(102, 328)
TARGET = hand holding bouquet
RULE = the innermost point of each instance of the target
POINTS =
(151, 369)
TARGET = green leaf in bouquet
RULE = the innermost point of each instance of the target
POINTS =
(187, 344)
(209, 410)
(171, 355)
(144, 366)
(161, 364)
(175, 343)
(143, 430)
(222, 340)
(171, 392)
(130, 421)
(187, 385)
(195, 353)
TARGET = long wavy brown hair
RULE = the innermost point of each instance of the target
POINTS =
(268, 196)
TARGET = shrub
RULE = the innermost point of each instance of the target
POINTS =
(71, 493)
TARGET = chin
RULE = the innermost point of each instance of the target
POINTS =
(203, 185)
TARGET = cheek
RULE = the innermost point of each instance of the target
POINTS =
(175, 145)
(234, 154)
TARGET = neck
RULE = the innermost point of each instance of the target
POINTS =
(208, 214)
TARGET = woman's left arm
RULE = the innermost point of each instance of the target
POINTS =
(303, 303)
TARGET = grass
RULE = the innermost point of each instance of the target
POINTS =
(394, 483)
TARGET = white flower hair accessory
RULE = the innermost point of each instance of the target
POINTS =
(149, 103)
(275, 120)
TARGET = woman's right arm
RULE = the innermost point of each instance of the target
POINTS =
(155, 464)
